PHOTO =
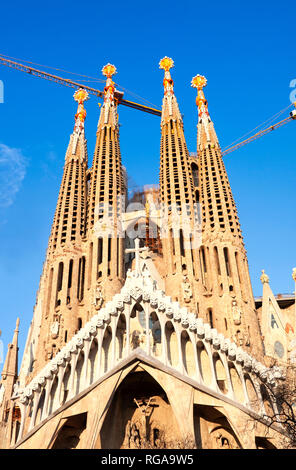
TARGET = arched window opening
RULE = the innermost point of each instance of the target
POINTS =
(59, 283)
(227, 264)
(210, 317)
(194, 169)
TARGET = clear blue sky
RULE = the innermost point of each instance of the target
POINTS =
(245, 49)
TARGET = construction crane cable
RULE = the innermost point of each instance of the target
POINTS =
(92, 79)
(257, 135)
(272, 118)
(68, 82)
(135, 95)
(53, 68)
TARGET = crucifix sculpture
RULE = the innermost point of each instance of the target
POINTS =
(137, 250)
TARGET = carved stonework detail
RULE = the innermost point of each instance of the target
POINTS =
(222, 439)
(186, 289)
(98, 299)
(54, 329)
(236, 313)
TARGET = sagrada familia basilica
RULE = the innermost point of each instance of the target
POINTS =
(145, 331)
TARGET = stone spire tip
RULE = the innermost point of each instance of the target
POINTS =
(80, 96)
(264, 278)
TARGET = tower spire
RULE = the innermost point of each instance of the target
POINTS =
(206, 135)
(7, 382)
(106, 201)
(80, 96)
(59, 305)
(228, 301)
(10, 368)
(170, 108)
(177, 197)
(109, 110)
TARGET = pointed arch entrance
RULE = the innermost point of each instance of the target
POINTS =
(70, 434)
(213, 430)
(139, 416)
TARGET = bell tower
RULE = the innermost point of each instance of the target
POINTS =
(106, 202)
(180, 234)
(228, 297)
(62, 285)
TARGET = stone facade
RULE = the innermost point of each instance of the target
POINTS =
(152, 341)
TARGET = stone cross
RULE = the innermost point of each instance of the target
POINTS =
(137, 250)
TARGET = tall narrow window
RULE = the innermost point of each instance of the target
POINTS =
(227, 264)
(197, 197)
(90, 264)
(203, 258)
(59, 283)
(216, 255)
(182, 251)
(70, 274)
(100, 250)
(69, 281)
(109, 248)
(60, 276)
(81, 277)
(210, 317)
(118, 257)
(192, 258)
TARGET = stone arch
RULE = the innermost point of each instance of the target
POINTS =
(16, 423)
(70, 434)
(40, 407)
(78, 375)
(220, 372)
(188, 354)
(267, 403)
(155, 332)
(139, 415)
(120, 337)
(213, 430)
(27, 416)
(65, 384)
(204, 364)
(92, 369)
(252, 394)
(172, 344)
(53, 398)
(237, 385)
(106, 350)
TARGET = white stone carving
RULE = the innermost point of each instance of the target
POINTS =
(137, 288)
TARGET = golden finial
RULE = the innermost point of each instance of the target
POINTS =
(264, 278)
(294, 274)
(80, 96)
(166, 63)
(109, 70)
(199, 82)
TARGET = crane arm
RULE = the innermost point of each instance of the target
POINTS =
(119, 97)
(260, 133)
(70, 83)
